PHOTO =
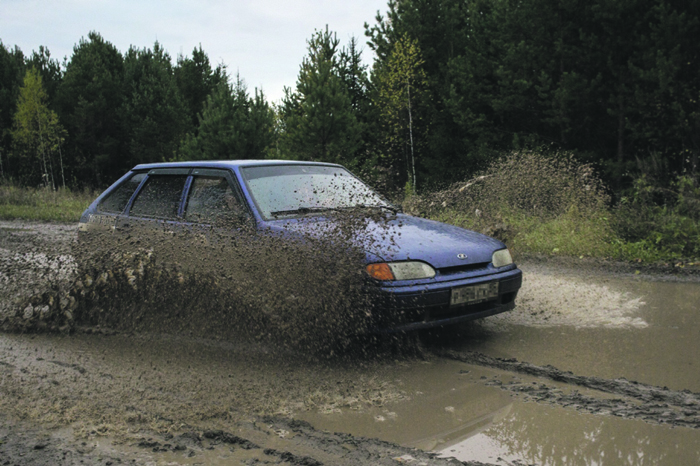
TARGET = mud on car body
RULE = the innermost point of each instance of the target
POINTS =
(433, 274)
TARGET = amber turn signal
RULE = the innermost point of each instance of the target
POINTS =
(380, 271)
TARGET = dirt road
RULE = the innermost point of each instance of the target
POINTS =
(591, 368)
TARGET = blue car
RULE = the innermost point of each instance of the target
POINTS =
(433, 273)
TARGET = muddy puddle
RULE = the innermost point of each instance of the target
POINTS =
(591, 368)
(599, 325)
(540, 435)
(462, 415)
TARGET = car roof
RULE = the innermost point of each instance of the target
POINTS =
(226, 164)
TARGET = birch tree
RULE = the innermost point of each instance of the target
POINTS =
(37, 133)
(401, 84)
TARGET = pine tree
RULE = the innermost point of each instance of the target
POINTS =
(154, 113)
(12, 71)
(232, 125)
(354, 74)
(89, 100)
(317, 119)
(196, 80)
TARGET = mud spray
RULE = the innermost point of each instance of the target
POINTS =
(307, 293)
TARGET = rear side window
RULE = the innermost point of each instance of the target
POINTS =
(116, 201)
(212, 200)
(159, 197)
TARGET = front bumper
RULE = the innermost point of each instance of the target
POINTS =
(417, 307)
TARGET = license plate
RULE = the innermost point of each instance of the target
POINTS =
(474, 293)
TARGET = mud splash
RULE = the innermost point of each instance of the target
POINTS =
(309, 292)
(37, 271)
(546, 300)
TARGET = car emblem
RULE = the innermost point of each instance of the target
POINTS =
(461, 256)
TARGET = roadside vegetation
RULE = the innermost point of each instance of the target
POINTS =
(43, 204)
(555, 205)
(537, 204)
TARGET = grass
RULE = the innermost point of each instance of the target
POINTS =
(43, 204)
(553, 205)
(569, 234)
(576, 236)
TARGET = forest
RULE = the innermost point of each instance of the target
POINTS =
(452, 87)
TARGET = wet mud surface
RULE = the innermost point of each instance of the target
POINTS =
(633, 400)
(592, 367)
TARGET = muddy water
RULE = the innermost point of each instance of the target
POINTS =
(553, 436)
(443, 404)
(115, 392)
(458, 411)
(606, 326)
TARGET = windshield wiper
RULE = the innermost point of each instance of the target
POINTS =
(301, 210)
(378, 206)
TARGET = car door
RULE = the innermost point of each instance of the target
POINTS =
(214, 202)
(157, 206)
(113, 205)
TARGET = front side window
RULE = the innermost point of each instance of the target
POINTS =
(289, 190)
(116, 201)
(159, 197)
(212, 201)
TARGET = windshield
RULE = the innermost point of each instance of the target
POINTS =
(289, 190)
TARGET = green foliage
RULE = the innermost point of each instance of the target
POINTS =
(354, 74)
(656, 222)
(122, 110)
(610, 81)
(37, 134)
(12, 70)
(613, 82)
(400, 96)
(535, 203)
(154, 112)
(196, 80)
(49, 69)
(557, 206)
(232, 125)
(89, 101)
(317, 121)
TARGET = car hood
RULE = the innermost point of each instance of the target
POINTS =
(404, 237)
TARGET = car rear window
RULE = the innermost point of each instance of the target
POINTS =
(212, 200)
(159, 197)
(116, 201)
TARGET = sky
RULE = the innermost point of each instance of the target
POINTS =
(262, 40)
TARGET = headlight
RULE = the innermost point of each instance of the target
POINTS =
(400, 271)
(501, 258)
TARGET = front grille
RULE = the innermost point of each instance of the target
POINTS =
(463, 268)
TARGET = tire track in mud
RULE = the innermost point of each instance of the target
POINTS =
(649, 403)
(358, 450)
(278, 440)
